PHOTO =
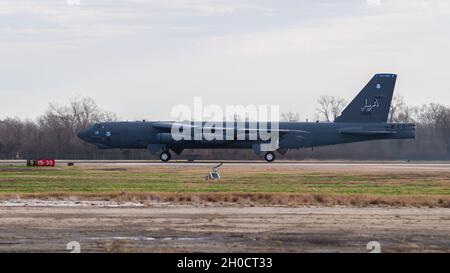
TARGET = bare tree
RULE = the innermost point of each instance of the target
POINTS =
(397, 107)
(433, 114)
(54, 132)
(407, 114)
(85, 111)
(330, 107)
(60, 123)
(11, 136)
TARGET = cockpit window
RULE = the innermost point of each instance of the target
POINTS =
(97, 126)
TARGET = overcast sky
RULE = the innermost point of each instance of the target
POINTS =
(139, 58)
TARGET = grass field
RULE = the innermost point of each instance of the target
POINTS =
(240, 185)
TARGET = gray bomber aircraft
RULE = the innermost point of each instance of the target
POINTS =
(365, 118)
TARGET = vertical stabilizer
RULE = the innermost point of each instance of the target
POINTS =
(372, 104)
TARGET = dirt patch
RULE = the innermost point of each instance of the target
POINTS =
(219, 229)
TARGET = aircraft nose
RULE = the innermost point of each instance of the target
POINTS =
(82, 134)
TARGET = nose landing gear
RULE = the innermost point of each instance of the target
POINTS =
(269, 156)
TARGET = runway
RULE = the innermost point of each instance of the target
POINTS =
(313, 165)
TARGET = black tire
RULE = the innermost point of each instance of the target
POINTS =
(269, 156)
(165, 156)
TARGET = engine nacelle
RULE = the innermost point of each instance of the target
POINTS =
(165, 138)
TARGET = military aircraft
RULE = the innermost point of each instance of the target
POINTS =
(365, 118)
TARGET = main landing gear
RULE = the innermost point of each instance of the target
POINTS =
(165, 156)
(269, 156)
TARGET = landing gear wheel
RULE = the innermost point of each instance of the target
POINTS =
(269, 156)
(165, 156)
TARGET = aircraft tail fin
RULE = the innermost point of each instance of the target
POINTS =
(373, 102)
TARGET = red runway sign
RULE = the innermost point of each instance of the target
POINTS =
(42, 162)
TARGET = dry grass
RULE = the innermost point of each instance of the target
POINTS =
(245, 199)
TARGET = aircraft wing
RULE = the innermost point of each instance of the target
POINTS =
(167, 126)
(365, 132)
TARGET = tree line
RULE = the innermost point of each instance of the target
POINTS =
(53, 135)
